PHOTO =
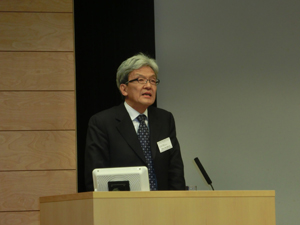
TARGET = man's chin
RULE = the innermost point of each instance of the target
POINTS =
(148, 102)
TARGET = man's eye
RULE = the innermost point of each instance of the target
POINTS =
(141, 80)
(153, 81)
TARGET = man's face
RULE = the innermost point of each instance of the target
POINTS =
(140, 96)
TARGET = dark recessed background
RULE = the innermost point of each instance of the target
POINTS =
(106, 33)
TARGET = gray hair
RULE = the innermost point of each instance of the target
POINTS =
(134, 63)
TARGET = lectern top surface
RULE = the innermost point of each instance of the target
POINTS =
(157, 194)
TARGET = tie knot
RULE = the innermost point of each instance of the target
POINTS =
(141, 118)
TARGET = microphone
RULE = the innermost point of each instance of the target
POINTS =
(201, 168)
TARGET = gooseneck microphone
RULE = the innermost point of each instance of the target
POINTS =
(201, 168)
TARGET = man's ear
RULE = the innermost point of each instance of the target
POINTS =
(123, 89)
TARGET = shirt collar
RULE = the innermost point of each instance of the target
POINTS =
(133, 113)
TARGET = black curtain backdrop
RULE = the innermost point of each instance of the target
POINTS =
(106, 33)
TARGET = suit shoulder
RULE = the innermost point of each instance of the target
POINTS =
(160, 111)
(105, 114)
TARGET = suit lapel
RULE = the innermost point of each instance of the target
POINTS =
(154, 125)
(128, 132)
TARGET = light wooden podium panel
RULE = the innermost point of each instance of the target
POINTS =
(160, 208)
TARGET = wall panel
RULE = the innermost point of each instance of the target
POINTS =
(20, 218)
(36, 5)
(21, 190)
(37, 150)
(37, 71)
(37, 110)
(36, 31)
(37, 101)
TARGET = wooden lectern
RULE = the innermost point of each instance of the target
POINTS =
(160, 208)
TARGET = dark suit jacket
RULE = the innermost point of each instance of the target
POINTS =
(112, 142)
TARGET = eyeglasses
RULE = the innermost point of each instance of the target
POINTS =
(143, 80)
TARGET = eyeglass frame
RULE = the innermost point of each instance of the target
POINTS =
(157, 81)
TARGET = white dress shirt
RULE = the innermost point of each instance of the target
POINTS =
(134, 114)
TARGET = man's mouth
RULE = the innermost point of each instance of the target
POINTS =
(147, 94)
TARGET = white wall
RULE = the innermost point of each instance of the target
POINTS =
(230, 74)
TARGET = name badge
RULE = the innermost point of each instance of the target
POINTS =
(164, 145)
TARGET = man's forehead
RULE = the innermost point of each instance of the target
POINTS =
(141, 75)
(138, 73)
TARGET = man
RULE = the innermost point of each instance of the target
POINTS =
(114, 137)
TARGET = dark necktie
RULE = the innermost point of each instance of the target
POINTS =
(144, 138)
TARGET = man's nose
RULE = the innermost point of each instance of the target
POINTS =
(148, 84)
